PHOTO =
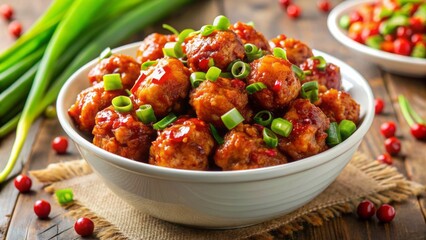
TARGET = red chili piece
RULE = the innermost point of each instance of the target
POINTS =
(160, 75)
(60, 144)
(6, 11)
(385, 213)
(84, 227)
(277, 86)
(385, 158)
(271, 152)
(324, 5)
(138, 82)
(42, 208)
(15, 29)
(379, 105)
(418, 130)
(23, 183)
(366, 209)
(204, 64)
(293, 11)
(388, 129)
(393, 145)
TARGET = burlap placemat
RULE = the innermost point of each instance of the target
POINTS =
(114, 219)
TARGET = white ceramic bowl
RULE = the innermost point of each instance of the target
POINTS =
(408, 66)
(217, 199)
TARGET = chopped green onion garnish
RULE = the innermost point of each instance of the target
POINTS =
(106, 53)
(345, 22)
(254, 87)
(206, 30)
(216, 135)
(226, 75)
(346, 128)
(122, 104)
(374, 41)
(281, 127)
(64, 196)
(146, 114)
(147, 64)
(112, 82)
(221, 22)
(307, 72)
(309, 91)
(322, 63)
(269, 138)
(263, 118)
(240, 69)
(298, 72)
(251, 23)
(280, 53)
(196, 78)
(333, 137)
(184, 34)
(213, 73)
(129, 93)
(171, 29)
(169, 49)
(250, 48)
(211, 62)
(163, 123)
(232, 118)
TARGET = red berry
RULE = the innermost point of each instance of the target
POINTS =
(402, 46)
(15, 28)
(385, 158)
(366, 209)
(293, 11)
(418, 130)
(355, 17)
(393, 145)
(23, 183)
(84, 226)
(42, 208)
(379, 105)
(284, 3)
(404, 32)
(385, 213)
(416, 24)
(388, 129)
(324, 5)
(60, 144)
(6, 11)
(417, 38)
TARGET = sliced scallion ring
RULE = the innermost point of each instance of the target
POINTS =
(263, 118)
(171, 29)
(196, 78)
(269, 137)
(250, 48)
(281, 127)
(122, 104)
(64, 196)
(163, 123)
(213, 73)
(255, 87)
(333, 133)
(146, 114)
(322, 64)
(106, 53)
(346, 128)
(112, 82)
(309, 91)
(169, 49)
(221, 23)
(240, 70)
(280, 53)
(216, 135)
(232, 118)
(206, 30)
(147, 64)
(298, 72)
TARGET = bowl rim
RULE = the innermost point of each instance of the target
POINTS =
(339, 34)
(218, 176)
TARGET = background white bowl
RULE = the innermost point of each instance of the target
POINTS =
(408, 66)
(217, 199)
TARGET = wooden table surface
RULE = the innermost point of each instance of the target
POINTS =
(17, 220)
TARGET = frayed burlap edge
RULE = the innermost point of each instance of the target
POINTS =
(400, 190)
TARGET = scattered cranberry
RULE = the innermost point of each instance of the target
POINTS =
(6, 11)
(324, 5)
(393, 145)
(42, 208)
(385, 158)
(84, 226)
(402, 46)
(15, 29)
(285, 3)
(385, 213)
(418, 130)
(416, 38)
(366, 209)
(404, 32)
(355, 17)
(293, 11)
(388, 129)
(60, 144)
(379, 105)
(23, 183)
